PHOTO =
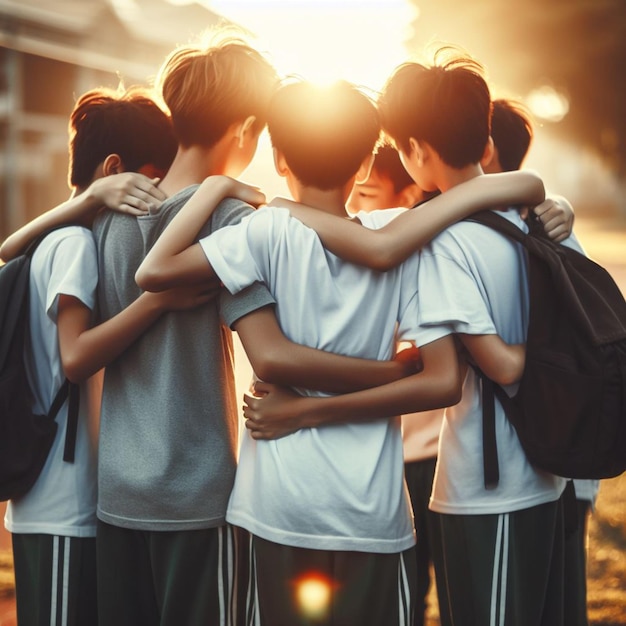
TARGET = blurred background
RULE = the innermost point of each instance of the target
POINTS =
(564, 59)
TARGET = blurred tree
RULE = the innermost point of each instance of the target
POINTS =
(578, 47)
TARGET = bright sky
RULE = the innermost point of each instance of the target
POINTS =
(359, 40)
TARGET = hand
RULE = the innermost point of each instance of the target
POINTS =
(411, 360)
(557, 216)
(129, 192)
(233, 188)
(273, 412)
(187, 297)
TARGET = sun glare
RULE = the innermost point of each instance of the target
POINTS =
(313, 596)
(325, 40)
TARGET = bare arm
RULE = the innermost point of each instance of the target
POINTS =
(278, 412)
(128, 193)
(386, 247)
(500, 361)
(85, 350)
(175, 258)
(276, 359)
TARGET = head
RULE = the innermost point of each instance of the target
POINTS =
(512, 133)
(445, 106)
(322, 135)
(128, 128)
(208, 89)
(388, 185)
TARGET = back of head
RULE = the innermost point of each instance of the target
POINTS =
(512, 132)
(129, 124)
(447, 105)
(208, 88)
(324, 133)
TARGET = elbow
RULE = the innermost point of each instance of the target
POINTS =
(452, 387)
(149, 279)
(382, 258)
(268, 366)
(74, 370)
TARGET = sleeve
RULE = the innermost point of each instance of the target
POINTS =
(252, 298)
(240, 254)
(74, 271)
(409, 327)
(449, 293)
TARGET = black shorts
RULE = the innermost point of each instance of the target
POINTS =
(291, 586)
(165, 578)
(55, 580)
(504, 569)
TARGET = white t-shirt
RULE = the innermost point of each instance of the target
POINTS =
(63, 500)
(337, 487)
(474, 279)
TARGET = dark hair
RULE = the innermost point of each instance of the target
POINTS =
(388, 163)
(208, 88)
(129, 124)
(324, 133)
(447, 105)
(512, 132)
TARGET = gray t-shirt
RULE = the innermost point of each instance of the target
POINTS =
(168, 432)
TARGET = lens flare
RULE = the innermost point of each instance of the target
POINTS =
(313, 593)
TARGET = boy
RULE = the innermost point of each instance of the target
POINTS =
(169, 425)
(512, 133)
(502, 547)
(54, 524)
(358, 535)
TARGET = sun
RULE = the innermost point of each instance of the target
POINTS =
(324, 40)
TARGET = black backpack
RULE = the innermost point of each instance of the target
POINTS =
(25, 438)
(570, 410)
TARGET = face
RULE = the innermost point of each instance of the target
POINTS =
(376, 192)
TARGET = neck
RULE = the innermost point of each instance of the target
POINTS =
(332, 201)
(451, 177)
(191, 166)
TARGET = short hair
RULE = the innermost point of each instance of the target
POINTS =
(511, 131)
(324, 133)
(207, 88)
(447, 105)
(387, 162)
(130, 124)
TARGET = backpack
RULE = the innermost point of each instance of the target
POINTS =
(25, 438)
(570, 409)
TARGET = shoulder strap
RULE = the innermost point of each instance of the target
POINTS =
(72, 391)
(499, 223)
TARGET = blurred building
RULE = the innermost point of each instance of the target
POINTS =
(50, 52)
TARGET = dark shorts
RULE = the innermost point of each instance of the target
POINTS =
(505, 569)
(165, 578)
(55, 580)
(291, 586)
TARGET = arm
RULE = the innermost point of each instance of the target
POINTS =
(387, 247)
(279, 413)
(501, 362)
(85, 350)
(276, 359)
(128, 193)
(175, 258)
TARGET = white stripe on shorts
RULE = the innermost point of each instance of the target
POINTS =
(500, 572)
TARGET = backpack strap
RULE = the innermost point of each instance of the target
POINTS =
(490, 391)
(66, 390)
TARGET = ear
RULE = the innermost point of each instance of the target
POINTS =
(489, 154)
(245, 127)
(279, 162)
(365, 170)
(417, 151)
(113, 165)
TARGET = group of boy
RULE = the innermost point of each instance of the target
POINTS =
(320, 482)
